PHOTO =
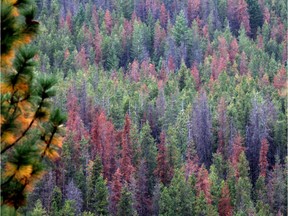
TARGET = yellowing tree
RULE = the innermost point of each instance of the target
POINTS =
(31, 132)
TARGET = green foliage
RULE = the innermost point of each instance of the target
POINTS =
(157, 100)
(138, 50)
(56, 202)
(68, 208)
(255, 16)
(101, 197)
(243, 188)
(180, 29)
(31, 130)
(178, 198)
(149, 153)
(125, 205)
(38, 210)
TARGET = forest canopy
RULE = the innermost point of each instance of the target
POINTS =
(174, 107)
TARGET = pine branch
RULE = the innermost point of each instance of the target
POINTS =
(49, 142)
(27, 129)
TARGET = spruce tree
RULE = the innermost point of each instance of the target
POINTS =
(31, 131)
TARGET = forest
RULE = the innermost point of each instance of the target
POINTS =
(162, 107)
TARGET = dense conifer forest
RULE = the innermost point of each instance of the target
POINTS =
(174, 107)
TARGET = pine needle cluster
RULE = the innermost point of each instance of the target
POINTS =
(31, 130)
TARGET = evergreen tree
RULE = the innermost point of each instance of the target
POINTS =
(148, 151)
(126, 166)
(180, 29)
(115, 195)
(244, 203)
(224, 206)
(255, 15)
(97, 196)
(68, 208)
(277, 189)
(38, 210)
(201, 129)
(139, 50)
(30, 129)
(101, 197)
(163, 171)
(125, 205)
(143, 200)
(178, 197)
(56, 202)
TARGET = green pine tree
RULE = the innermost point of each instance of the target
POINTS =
(31, 130)
(68, 208)
(244, 204)
(255, 16)
(101, 197)
(180, 29)
(56, 202)
(97, 193)
(178, 198)
(125, 205)
(149, 153)
(38, 210)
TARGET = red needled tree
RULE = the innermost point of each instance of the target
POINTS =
(224, 207)
(163, 171)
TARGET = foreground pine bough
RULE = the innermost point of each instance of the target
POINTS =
(31, 133)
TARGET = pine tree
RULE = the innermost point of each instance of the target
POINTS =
(126, 166)
(148, 153)
(193, 10)
(255, 16)
(201, 129)
(224, 206)
(260, 192)
(116, 187)
(94, 178)
(139, 50)
(178, 197)
(163, 16)
(25, 106)
(125, 205)
(163, 171)
(75, 194)
(233, 50)
(101, 197)
(196, 76)
(215, 185)
(263, 162)
(237, 150)
(68, 208)
(38, 210)
(280, 81)
(223, 131)
(56, 202)
(204, 184)
(143, 200)
(180, 29)
(243, 187)
(108, 22)
(277, 189)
